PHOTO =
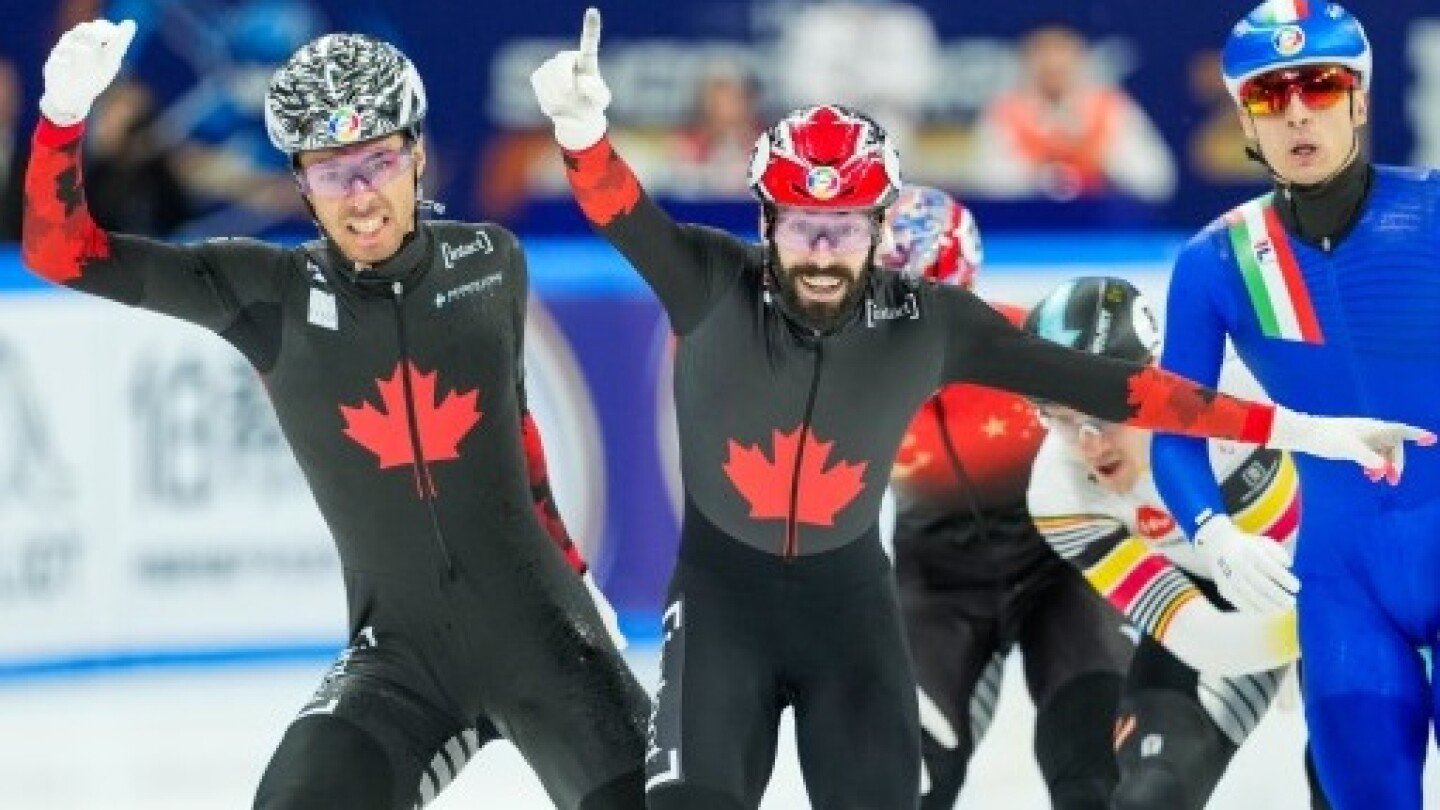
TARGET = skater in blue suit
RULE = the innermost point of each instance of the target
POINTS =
(1329, 288)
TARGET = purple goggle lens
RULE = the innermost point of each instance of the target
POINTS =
(336, 176)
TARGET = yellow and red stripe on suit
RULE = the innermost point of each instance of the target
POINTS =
(1129, 547)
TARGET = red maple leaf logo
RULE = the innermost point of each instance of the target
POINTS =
(385, 431)
(767, 485)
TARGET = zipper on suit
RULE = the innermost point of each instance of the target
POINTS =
(422, 469)
(792, 529)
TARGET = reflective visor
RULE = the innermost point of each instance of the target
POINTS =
(1319, 86)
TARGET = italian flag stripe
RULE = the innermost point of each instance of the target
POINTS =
(1294, 282)
(1272, 276)
(1254, 281)
(1289, 11)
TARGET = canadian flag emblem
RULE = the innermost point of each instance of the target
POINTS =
(441, 423)
(766, 485)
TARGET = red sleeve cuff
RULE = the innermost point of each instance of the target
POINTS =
(1259, 422)
(52, 136)
(600, 148)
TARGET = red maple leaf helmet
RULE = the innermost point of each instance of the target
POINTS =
(826, 157)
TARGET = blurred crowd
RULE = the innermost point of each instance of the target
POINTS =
(1044, 116)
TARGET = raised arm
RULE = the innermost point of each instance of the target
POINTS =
(687, 266)
(231, 287)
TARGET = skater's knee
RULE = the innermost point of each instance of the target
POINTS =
(325, 762)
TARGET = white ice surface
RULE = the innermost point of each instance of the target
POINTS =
(199, 738)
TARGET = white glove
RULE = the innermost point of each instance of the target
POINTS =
(571, 91)
(81, 66)
(1376, 445)
(607, 613)
(1251, 572)
(1231, 642)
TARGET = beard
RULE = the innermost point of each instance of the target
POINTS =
(822, 316)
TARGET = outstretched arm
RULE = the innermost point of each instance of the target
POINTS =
(687, 266)
(986, 349)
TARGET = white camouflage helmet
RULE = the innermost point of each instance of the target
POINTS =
(341, 89)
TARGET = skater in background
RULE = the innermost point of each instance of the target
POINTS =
(976, 579)
(1205, 673)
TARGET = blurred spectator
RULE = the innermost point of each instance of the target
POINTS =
(214, 127)
(1217, 145)
(12, 154)
(505, 169)
(1061, 134)
(880, 58)
(712, 153)
(130, 182)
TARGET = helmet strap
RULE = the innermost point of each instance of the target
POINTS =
(422, 204)
(767, 216)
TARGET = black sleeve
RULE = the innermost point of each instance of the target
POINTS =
(210, 283)
(233, 287)
(688, 266)
(518, 270)
(984, 348)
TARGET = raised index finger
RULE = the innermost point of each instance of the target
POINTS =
(590, 41)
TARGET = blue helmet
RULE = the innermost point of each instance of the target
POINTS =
(1285, 33)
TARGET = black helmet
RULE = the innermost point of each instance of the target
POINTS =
(1098, 314)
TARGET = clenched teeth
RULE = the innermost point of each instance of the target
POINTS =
(365, 227)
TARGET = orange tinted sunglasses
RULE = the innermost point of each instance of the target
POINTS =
(1319, 86)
